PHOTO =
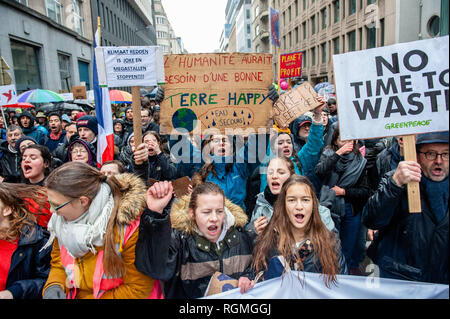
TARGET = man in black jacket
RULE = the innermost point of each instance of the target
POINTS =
(10, 161)
(413, 246)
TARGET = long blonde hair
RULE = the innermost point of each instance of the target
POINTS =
(278, 234)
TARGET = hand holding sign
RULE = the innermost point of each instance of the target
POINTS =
(296, 102)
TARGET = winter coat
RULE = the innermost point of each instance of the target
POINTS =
(135, 284)
(10, 168)
(158, 167)
(126, 157)
(407, 246)
(33, 131)
(29, 267)
(53, 144)
(386, 161)
(182, 257)
(356, 193)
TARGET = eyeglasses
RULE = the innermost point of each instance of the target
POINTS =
(79, 151)
(60, 206)
(431, 156)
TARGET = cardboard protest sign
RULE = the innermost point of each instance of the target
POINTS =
(294, 103)
(216, 91)
(400, 89)
(291, 65)
(129, 66)
(8, 94)
(79, 92)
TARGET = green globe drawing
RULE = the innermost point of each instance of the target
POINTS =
(184, 118)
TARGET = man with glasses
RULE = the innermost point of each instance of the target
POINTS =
(413, 246)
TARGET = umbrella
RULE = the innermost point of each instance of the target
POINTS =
(59, 107)
(19, 105)
(317, 87)
(39, 96)
(117, 96)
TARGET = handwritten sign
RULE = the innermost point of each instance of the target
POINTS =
(216, 91)
(294, 103)
(291, 65)
(402, 89)
(129, 66)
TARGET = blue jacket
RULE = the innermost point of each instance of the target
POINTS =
(308, 155)
(231, 177)
(29, 267)
(408, 246)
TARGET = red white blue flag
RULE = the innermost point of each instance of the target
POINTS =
(105, 137)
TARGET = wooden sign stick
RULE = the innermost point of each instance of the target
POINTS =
(409, 149)
(137, 124)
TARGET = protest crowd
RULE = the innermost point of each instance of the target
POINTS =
(72, 228)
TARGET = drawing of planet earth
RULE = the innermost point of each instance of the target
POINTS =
(184, 118)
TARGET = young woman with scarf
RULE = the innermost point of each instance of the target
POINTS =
(296, 238)
(94, 230)
(342, 169)
(24, 267)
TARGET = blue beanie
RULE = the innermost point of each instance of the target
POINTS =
(88, 121)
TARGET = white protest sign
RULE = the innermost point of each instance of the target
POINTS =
(394, 90)
(8, 94)
(129, 66)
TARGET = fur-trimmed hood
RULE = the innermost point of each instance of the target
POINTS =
(180, 219)
(133, 201)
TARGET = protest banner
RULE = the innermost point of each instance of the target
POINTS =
(295, 285)
(79, 92)
(291, 65)
(216, 91)
(131, 66)
(402, 90)
(294, 103)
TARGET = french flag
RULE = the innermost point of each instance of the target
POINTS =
(105, 137)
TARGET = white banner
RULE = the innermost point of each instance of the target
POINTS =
(8, 94)
(295, 285)
(130, 66)
(393, 90)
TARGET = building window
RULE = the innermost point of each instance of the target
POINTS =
(313, 24)
(360, 38)
(382, 32)
(352, 41)
(352, 7)
(249, 43)
(371, 39)
(304, 4)
(296, 8)
(290, 39)
(284, 42)
(64, 72)
(371, 1)
(324, 52)
(249, 28)
(160, 20)
(313, 56)
(304, 59)
(26, 67)
(290, 14)
(247, 13)
(296, 35)
(336, 45)
(304, 30)
(77, 17)
(324, 18)
(337, 11)
(54, 10)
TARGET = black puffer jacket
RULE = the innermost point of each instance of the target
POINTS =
(184, 259)
(158, 167)
(10, 168)
(408, 246)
